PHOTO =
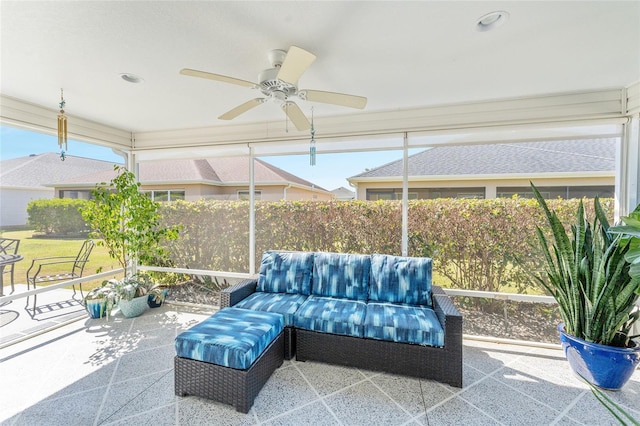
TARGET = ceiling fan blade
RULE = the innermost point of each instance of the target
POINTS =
(241, 109)
(217, 77)
(295, 64)
(296, 116)
(341, 99)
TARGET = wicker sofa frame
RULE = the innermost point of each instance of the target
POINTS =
(440, 364)
(227, 385)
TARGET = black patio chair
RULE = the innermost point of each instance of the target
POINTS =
(42, 269)
(9, 246)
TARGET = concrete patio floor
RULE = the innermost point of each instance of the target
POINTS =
(120, 372)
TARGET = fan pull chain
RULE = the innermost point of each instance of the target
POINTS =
(286, 117)
(312, 145)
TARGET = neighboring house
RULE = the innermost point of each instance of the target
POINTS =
(223, 178)
(565, 169)
(24, 179)
(343, 194)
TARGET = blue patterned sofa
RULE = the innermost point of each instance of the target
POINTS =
(376, 312)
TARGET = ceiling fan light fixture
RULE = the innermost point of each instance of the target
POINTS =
(492, 20)
(131, 78)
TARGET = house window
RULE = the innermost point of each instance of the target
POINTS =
(169, 195)
(424, 193)
(176, 195)
(476, 193)
(374, 195)
(565, 192)
(244, 195)
(392, 194)
(76, 195)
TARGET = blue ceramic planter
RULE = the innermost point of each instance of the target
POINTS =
(134, 307)
(96, 308)
(606, 367)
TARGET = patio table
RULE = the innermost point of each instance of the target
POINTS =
(5, 260)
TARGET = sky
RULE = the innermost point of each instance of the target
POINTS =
(330, 172)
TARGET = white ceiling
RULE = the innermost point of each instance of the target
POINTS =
(398, 54)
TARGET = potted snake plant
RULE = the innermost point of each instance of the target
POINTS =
(587, 271)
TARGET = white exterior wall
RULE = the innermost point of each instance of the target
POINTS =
(14, 201)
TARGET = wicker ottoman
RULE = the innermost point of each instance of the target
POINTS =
(229, 356)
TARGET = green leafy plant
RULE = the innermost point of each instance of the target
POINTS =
(134, 286)
(126, 221)
(616, 410)
(631, 230)
(588, 275)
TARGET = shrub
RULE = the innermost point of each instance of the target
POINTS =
(476, 244)
(58, 216)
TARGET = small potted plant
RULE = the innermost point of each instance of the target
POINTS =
(100, 301)
(132, 293)
(157, 294)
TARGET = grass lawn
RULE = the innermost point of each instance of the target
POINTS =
(31, 248)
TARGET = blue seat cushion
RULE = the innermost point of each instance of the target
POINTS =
(398, 279)
(329, 315)
(341, 275)
(231, 337)
(285, 272)
(403, 323)
(281, 303)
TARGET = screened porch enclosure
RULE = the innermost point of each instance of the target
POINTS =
(496, 291)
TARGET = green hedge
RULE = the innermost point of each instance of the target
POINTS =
(476, 244)
(57, 216)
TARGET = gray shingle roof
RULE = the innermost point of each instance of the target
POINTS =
(35, 171)
(216, 170)
(343, 192)
(584, 155)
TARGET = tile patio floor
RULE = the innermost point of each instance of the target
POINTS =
(120, 372)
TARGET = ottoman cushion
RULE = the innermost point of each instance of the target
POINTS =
(231, 337)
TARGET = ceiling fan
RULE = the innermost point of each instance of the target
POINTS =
(280, 84)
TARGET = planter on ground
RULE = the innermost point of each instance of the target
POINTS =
(134, 307)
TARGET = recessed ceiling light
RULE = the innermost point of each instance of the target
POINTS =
(131, 78)
(492, 20)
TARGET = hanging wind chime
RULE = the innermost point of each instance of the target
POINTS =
(62, 128)
(312, 144)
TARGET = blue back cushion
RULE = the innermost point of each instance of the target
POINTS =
(341, 275)
(398, 279)
(285, 272)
